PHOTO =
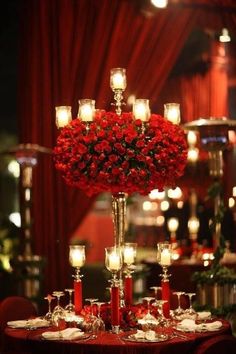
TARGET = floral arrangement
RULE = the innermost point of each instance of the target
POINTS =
(116, 153)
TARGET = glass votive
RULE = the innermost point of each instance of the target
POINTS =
(86, 110)
(118, 79)
(113, 259)
(77, 255)
(141, 109)
(63, 116)
(129, 252)
(164, 254)
(172, 112)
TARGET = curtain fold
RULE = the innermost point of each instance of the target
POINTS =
(67, 49)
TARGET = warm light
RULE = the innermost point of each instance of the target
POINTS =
(118, 79)
(164, 254)
(86, 110)
(172, 112)
(159, 3)
(174, 193)
(27, 194)
(173, 224)
(15, 218)
(14, 168)
(193, 154)
(231, 202)
(155, 194)
(147, 206)
(63, 116)
(77, 255)
(224, 37)
(180, 204)
(130, 250)
(141, 109)
(192, 138)
(113, 259)
(165, 205)
(160, 220)
(234, 191)
(193, 225)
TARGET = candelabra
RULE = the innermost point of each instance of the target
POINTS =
(77, 260)
(164, 252)
(214, 139)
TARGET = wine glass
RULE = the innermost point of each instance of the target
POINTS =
(148, 321)
(162, 321)
(178, 311)
(70, 307)
(156, 289)
(48, 315)
(58, 314)
(190, 311)
(98, 323)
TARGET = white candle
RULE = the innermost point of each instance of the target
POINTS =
(129, 255)
(118, 79)
(172, 112)
(63, 116)
(141, 109)
(77, 257)
(114, 261)
(86, 110)
(165, 257)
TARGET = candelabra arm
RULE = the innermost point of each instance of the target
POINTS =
(77, 276)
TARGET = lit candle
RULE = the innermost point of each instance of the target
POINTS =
(165, 257)
(141, 109)
(118, 79)
(86, 110)
(77, 255)
(173, 224)
(114, 262)
(128, 255)
(63, 116)
(172, 112)
(192, 138)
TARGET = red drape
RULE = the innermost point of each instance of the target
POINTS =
(67, 49)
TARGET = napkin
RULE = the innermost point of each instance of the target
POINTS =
(31, 323)
(203, 315)
(148, 335)
(187, 325)
(66, 334)
(213, 326)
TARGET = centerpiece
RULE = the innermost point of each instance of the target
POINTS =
(119, 152)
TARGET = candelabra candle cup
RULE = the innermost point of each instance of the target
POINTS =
(141, 109)
(118, 79)
(77, 255)
(129, 253)
(172, 112)
(113, 260)
(63, 116)
(164, 252)
(86, 110)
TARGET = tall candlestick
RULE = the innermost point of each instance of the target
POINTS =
(115, 305)
(78, 296)
(165, 285)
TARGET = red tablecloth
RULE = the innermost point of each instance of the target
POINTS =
(30, 342)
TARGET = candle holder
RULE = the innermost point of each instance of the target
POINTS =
(172, 112)
(129, 257)
(77, 260)
(164, 252)
(63, 116)
(113, 262)
(118, 85)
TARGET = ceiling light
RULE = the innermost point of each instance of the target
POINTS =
(159, 3)
(224, 37)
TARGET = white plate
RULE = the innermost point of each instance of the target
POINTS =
(158, 338)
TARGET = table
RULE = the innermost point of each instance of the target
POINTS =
(22, 341)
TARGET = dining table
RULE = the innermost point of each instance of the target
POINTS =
(31, 341)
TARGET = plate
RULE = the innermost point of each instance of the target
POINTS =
(28, 324)
(158, 338)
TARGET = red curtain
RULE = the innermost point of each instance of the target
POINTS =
(67, 49)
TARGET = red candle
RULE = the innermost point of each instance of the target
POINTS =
(128, 289)
(115, 305)
(165, 289)
(78, 296)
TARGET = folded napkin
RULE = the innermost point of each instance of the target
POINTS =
(31, 323)
(188, 325)
(65, 334)
(203, 315)
(148, 335)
